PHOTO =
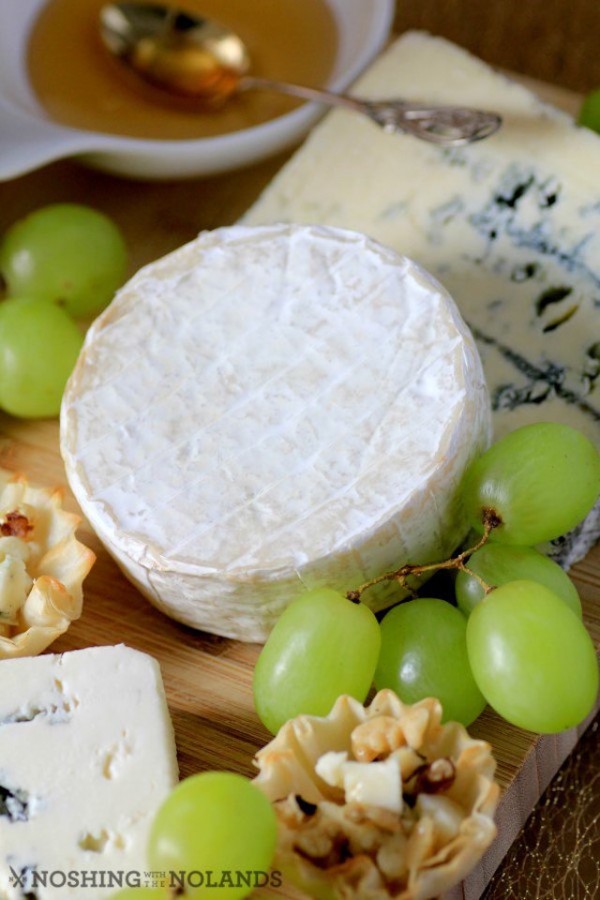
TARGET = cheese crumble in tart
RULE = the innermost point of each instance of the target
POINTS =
(379, 801)
(42, 567)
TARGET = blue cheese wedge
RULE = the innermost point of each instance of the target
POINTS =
(511, 226)
(273, 409)
(86, 757)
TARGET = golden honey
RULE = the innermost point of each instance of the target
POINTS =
(79, 84)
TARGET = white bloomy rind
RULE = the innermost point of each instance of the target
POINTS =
(269, 409)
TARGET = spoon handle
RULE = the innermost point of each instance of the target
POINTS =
(449, 126)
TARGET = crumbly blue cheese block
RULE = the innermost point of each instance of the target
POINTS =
(271, 409)
(86, 757)
(510, 225)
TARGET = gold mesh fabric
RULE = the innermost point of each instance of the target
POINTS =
(557, 854)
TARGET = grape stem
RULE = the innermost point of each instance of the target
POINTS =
(490, 521)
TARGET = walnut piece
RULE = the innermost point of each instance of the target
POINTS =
(15, 524)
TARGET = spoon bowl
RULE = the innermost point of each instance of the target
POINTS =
(194, 57)
(188, 56)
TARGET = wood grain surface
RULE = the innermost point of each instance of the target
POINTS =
(207, 678)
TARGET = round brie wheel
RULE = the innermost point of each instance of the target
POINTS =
(269, 409)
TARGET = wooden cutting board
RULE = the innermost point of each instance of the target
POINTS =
(208, 678)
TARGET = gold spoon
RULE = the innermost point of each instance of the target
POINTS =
(193, 57)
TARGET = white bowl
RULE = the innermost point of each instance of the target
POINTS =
(29, 139)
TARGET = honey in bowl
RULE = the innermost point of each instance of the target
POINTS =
(80, 85)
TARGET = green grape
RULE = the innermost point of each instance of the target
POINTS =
(323, 645)
(71, 254)
(589, 113)
(541, 480)
(39, 345)
(215, 821)
(499, 563)
(424, 654)
(532, 658)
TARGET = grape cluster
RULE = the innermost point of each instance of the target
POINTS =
(515, 639)
(61, 262)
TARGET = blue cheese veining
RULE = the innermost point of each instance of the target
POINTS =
(511, 225)
(86, 757)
